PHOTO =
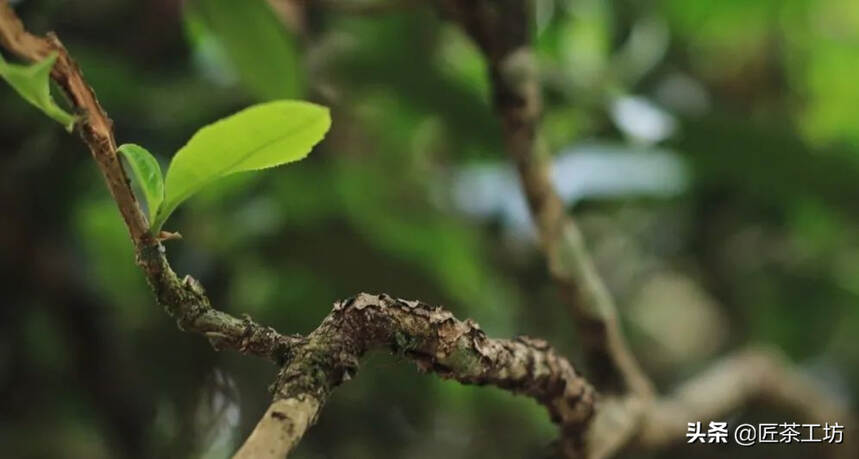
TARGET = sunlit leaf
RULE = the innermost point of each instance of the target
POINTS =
(259, 137)
(32, 82)
(147, 173)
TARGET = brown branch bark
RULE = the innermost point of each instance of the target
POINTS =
(316, 364)
(629, 413)
(500, 28)
(754, 375)
(183, 299)
(95, 127)
(437, 342)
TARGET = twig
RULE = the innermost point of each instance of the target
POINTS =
(183, 299)
(315, 364)
(436, 341)
(500, 29)
(630, 410)
(753, 375)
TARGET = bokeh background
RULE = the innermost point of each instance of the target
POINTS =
(709, 148)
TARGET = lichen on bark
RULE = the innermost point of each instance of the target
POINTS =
(437, 342)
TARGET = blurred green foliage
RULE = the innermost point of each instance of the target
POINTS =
(248, 41)
(766, 111)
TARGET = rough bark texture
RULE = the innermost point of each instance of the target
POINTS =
(312, 366)
(94, 125)
(315, 364)
(437, 342)
(500, 28)
(629, 408)
(183, 299)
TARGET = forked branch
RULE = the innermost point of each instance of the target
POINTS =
(437, 342)
(183, 299)
(500, 28)
(315, 364)
(629, 413)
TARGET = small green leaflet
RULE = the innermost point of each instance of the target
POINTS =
(147, 174)
(258, 137)
(32, 82)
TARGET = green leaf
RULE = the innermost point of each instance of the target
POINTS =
(32, 82)
(258, 137)
(147, 173)
(247, 38)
